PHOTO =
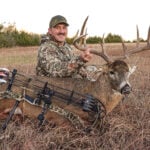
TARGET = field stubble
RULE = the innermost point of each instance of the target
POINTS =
(127, 127)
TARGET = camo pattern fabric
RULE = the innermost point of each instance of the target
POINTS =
(59, 61)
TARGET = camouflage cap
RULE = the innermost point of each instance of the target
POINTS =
(56, 20)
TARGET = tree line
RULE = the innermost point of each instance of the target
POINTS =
(10, 37)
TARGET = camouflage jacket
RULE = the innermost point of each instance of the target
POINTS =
(58, 61)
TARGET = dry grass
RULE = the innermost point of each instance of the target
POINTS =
(127, 127)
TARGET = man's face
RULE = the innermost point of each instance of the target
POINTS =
(59, 32)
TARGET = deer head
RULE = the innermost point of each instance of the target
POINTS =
(117, 70)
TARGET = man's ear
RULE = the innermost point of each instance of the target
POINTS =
(49, 30)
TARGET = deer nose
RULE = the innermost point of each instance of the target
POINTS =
(126, 89)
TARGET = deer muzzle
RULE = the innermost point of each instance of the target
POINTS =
(126, 89)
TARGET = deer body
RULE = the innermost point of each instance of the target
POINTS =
(107, 88)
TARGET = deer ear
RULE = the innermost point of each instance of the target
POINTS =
(132, 69)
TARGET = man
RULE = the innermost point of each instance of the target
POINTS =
(56, 57)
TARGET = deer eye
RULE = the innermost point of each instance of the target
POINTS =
(111, 73)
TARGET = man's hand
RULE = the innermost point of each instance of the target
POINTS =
(4, 74)
(86, 55)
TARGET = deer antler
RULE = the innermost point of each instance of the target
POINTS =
(93, 51)
(138, 48)
(103, 53)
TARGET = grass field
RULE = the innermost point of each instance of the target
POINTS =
(127, 126)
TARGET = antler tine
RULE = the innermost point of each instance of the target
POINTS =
(124, 48)
(84, 41)
(137, 49)
(83, 26)
(105, 56)
(81, 38)
(102, 44)
(148, 37)
(138, 37)
(83, 32)
(76, 35)
(77, 45)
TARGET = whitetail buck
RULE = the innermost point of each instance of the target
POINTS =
(80, 101)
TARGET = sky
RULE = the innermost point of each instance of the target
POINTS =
(105, 16)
